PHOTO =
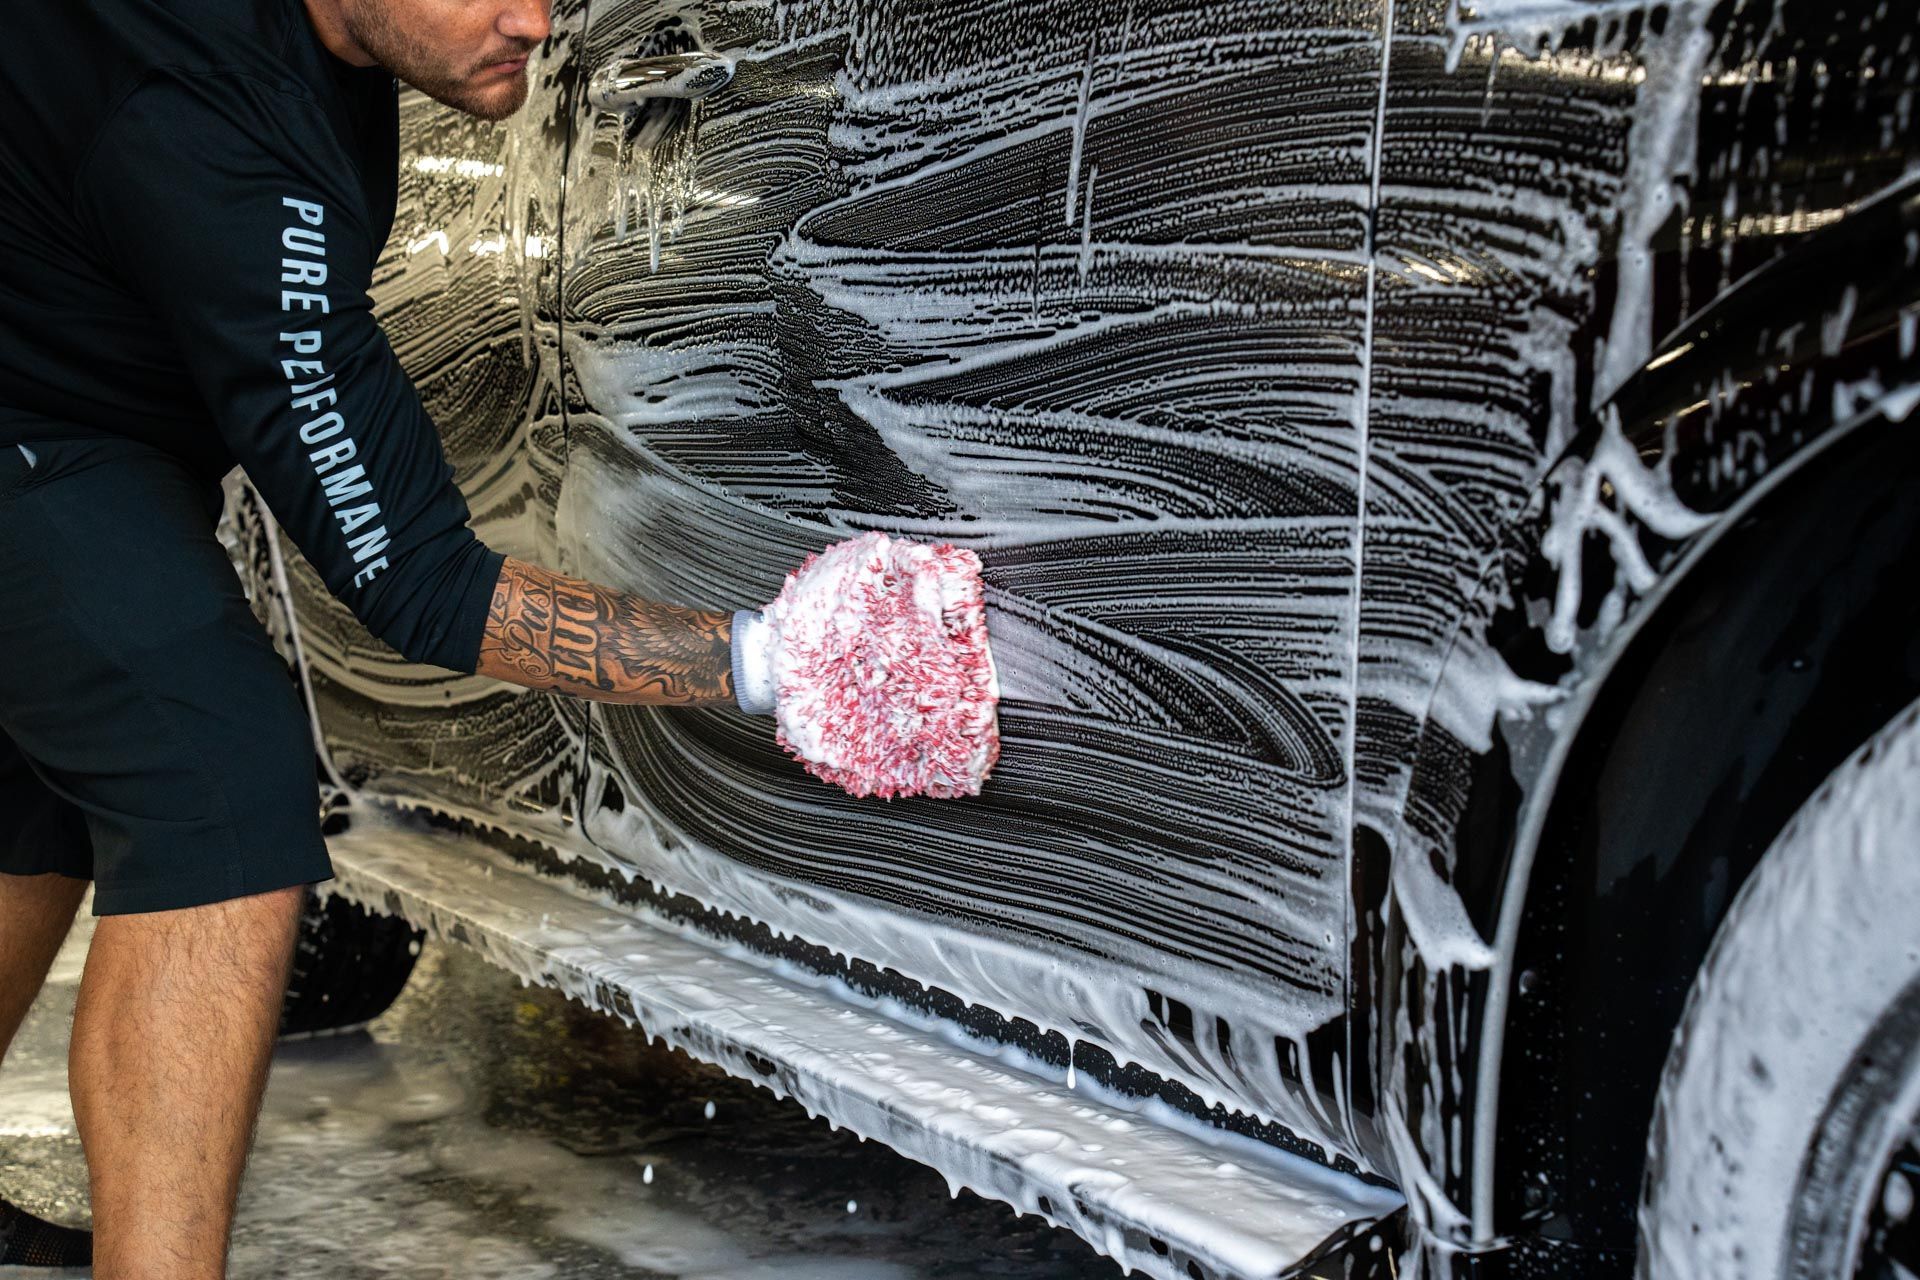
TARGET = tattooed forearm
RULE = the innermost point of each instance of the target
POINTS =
(546, 631)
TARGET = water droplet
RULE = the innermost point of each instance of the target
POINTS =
(853, 1206)
(710, 1110)
(646, 1175)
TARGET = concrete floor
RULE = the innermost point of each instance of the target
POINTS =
(481, 1129)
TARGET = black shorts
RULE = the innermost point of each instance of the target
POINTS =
(150, 737)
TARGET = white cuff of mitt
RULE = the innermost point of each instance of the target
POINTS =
(753, 686)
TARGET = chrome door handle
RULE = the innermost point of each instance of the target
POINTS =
(627, 82)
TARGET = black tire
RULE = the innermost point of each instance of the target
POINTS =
(1789, 1115)
(349, 965)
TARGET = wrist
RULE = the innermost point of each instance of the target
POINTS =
(753, 685)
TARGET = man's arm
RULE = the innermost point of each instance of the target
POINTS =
(229, 208)
(547, 631)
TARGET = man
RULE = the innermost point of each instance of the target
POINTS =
(198, 190)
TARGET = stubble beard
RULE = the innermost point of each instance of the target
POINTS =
(375, 28)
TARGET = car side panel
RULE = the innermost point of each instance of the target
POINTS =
(1086, 295)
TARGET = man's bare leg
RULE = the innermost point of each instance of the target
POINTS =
(36, 913)
(171, 1042)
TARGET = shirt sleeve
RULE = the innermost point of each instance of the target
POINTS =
(232, 209)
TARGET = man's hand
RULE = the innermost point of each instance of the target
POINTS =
(546, 631)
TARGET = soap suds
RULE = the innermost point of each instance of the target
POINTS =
(1615, 494)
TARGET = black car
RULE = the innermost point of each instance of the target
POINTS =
(1449, 503)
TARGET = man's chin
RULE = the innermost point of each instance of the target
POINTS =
(494, 101)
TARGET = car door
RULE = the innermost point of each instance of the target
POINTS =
(1082, 290)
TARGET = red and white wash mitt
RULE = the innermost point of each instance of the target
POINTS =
(874, 662)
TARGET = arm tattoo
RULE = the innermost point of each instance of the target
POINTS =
(546, 631)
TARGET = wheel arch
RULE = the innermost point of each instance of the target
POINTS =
(1596, 844)
(1666, 797)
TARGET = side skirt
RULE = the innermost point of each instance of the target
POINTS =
(1132, 1182)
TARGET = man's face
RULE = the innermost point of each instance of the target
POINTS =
(469, 54)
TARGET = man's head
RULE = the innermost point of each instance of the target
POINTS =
(469, 54)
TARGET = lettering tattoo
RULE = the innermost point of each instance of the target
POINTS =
(547, 631)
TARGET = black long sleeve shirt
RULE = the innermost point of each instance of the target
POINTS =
(197, 195)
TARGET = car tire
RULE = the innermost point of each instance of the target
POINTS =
(349, 965)
(1784, 1136)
